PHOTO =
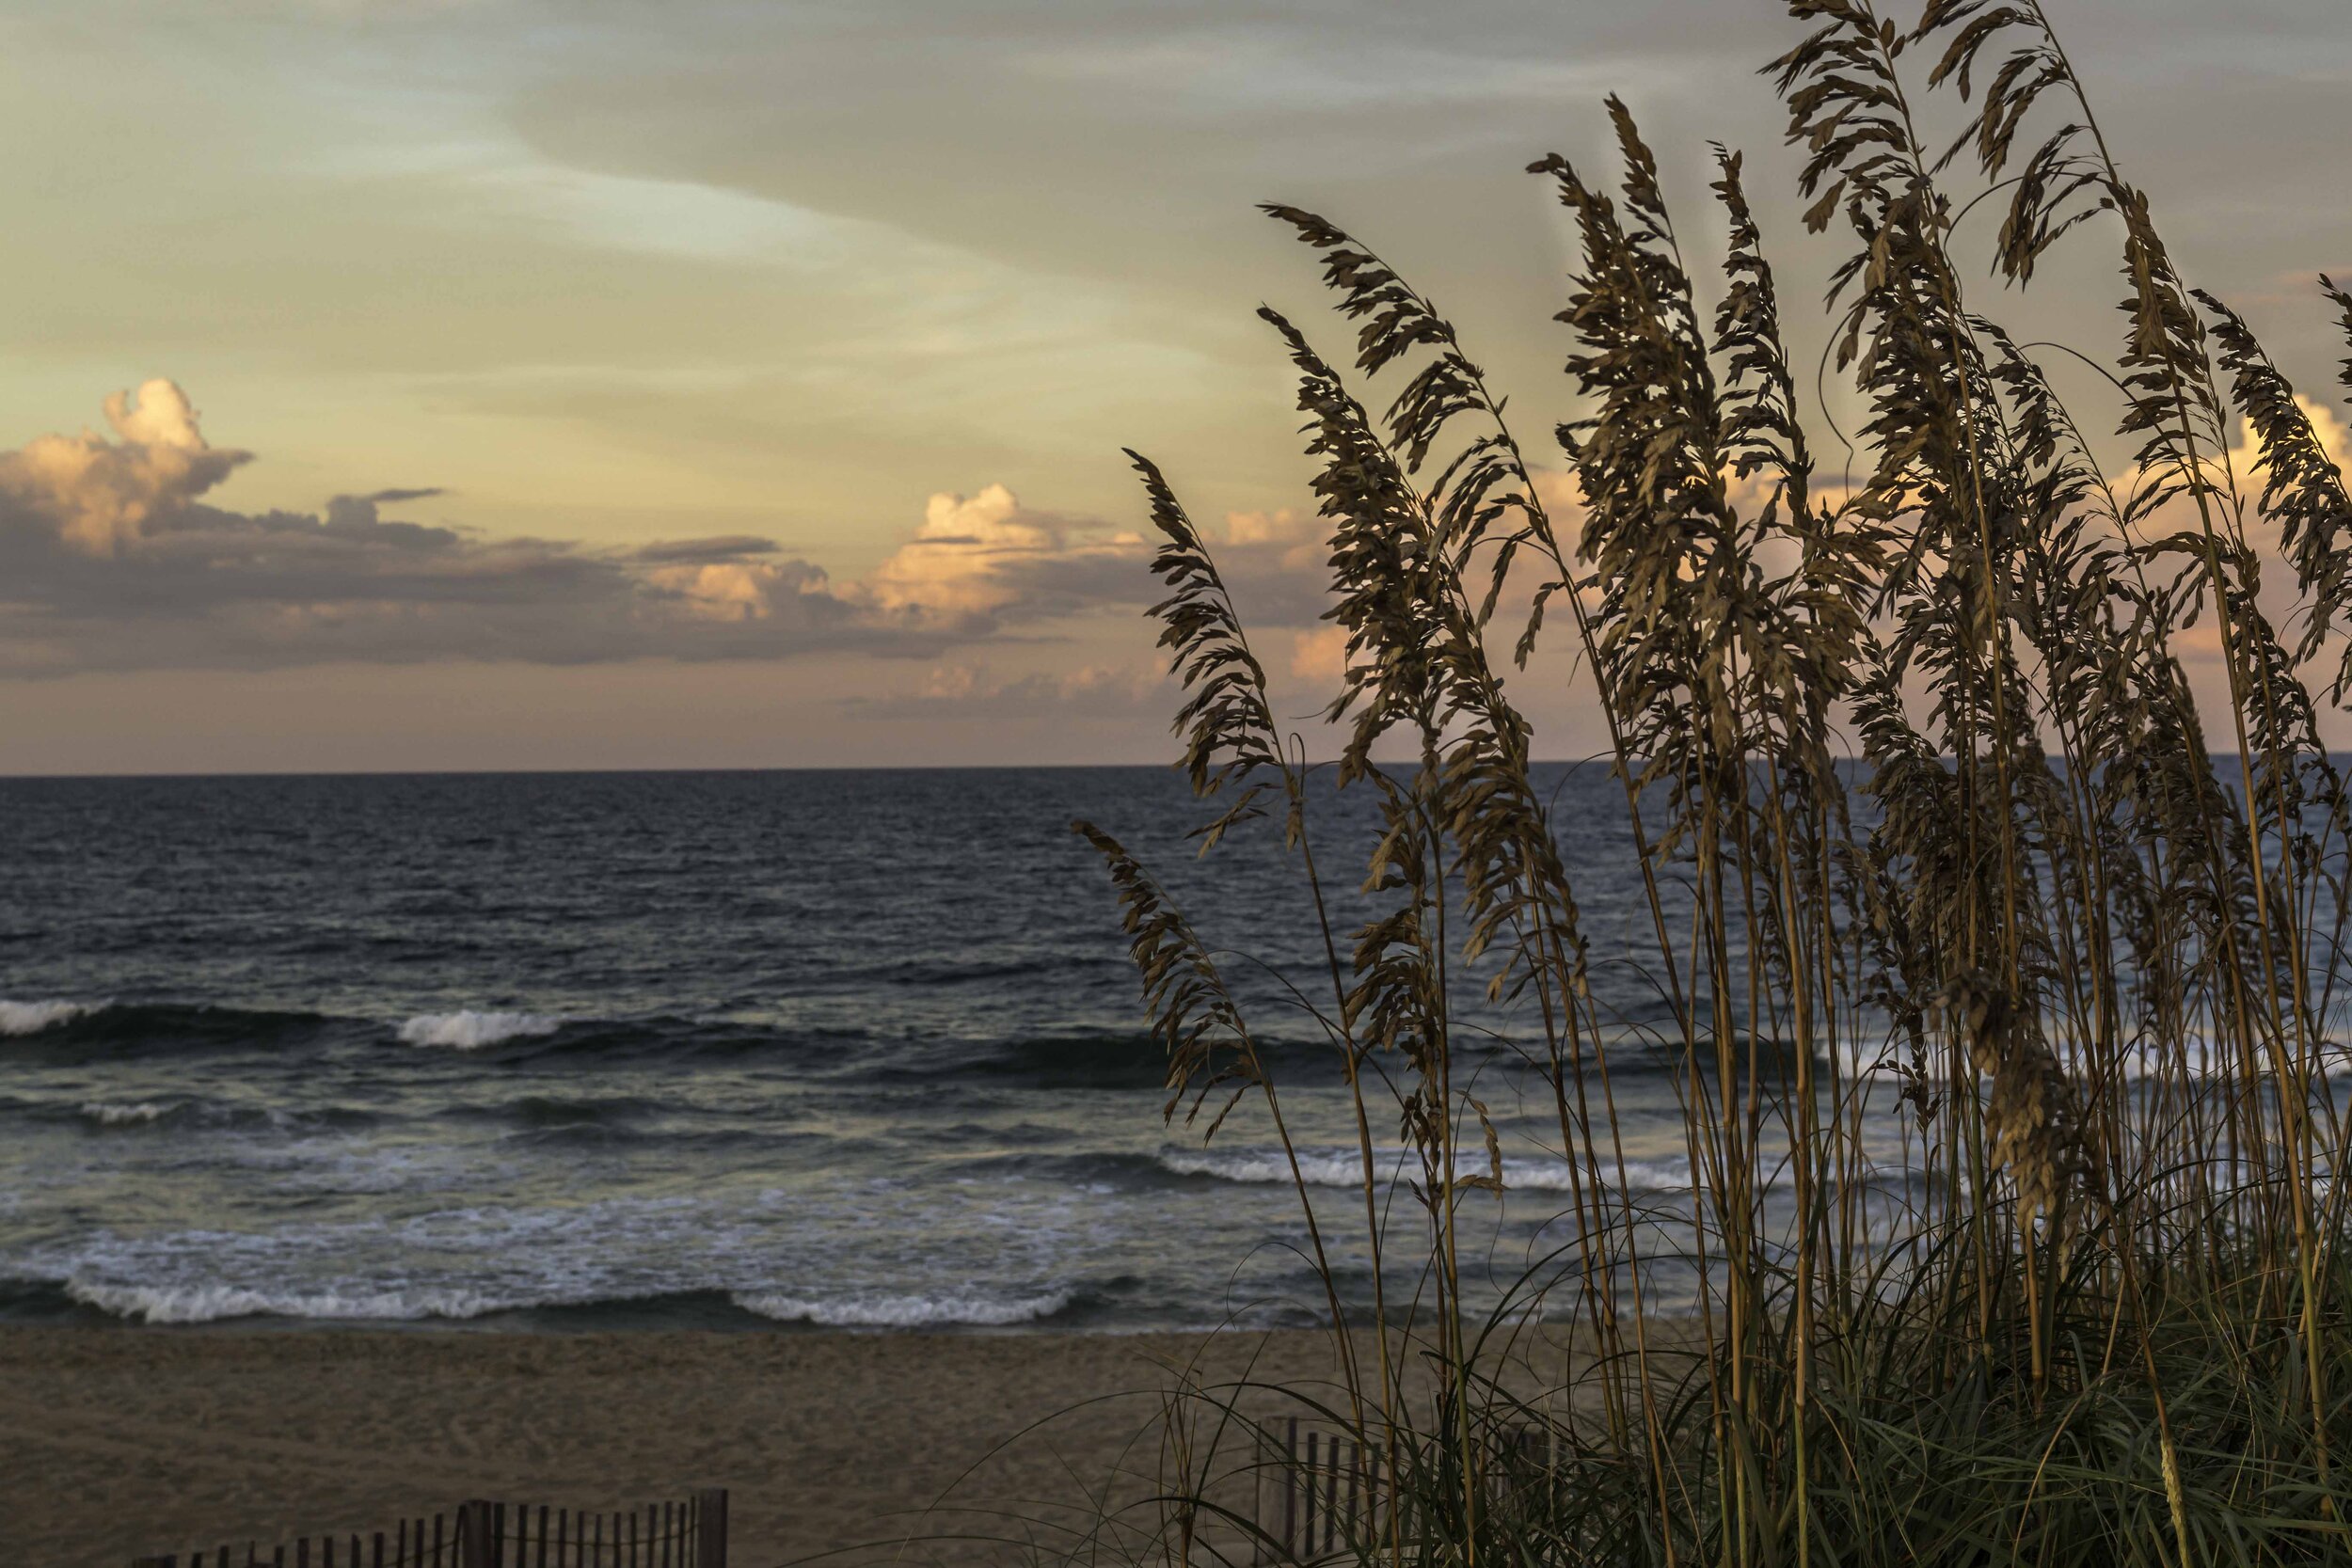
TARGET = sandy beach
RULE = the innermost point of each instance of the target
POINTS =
(115, 1442)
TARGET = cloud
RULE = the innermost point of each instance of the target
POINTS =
(1319, 657)
(1285, 528)
(969, 691)
(99, 495)
(219, 589)
(114, 555)
(2333, 439)
(726, 546)
(739, 591)
(2264, 534)
(358, 512)
(982, 557)
(2244, 462)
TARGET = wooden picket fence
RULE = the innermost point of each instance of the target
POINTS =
(1321, 1494)
(1311, 1489)
(480, 1534)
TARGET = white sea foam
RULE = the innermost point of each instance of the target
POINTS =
(803, 1253)
(355, 1166)
(30, 1017)
(1265, 1164)
(468, 1030)
(111, 1114)
(206, 1303)
(948, 1308)
(1345, 1168)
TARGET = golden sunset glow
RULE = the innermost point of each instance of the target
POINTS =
(710, 357)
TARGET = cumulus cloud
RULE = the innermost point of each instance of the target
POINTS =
(737, 590)
(359, 511)
(979, 560)
(1285, 528)
(113, 555)
(2201, 643)
(2244, 462)
(101, 495)
(116, 554)
(1320, 655)
(2334, 441)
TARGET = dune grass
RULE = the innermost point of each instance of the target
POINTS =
(1931, 825)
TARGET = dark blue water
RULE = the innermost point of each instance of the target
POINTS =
(716, 1050)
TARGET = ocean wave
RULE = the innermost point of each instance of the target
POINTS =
(953, 1308)
(96, 1031)
(106, 1113)
(556, 1111)
(1089, 1061)
(335, 1167)
(1254, 1165)
(31, 1017)
(273, 1122)
(469, 1030)
(1345, 1168)
(206, 1303)
(791, 1253)
(212, 1302)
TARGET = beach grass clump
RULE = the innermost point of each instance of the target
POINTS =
(1933, 832)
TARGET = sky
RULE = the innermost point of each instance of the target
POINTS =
(488, 384)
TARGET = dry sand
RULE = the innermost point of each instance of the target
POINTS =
(118, 1441)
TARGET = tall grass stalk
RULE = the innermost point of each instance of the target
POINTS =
(1928, 829)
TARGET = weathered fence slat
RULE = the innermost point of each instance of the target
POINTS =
(1331, 1493)
(677, 1532)
(710, 1528)
(1290, 1491)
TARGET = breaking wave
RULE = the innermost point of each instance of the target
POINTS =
(110, 1113)
(31, 1017)
(206, 1303)
(468, 1030)
(952, 1308)
(103, 1031)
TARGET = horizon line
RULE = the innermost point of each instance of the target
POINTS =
(1177, 766)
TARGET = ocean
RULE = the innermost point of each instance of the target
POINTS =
(750, 1051)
